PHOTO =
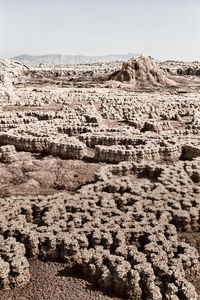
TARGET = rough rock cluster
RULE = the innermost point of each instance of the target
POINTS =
(122, 228)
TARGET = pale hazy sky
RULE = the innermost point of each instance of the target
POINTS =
(164, 29)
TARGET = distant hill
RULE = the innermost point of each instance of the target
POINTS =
(58, 59)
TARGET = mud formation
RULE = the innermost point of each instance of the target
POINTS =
(143, 71)
(103, 179)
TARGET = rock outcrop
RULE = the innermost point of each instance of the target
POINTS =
(11, 72)
(143, 71)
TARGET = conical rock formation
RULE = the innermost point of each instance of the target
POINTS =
(142, 70)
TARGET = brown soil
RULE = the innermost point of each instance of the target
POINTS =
(192, 238)
(44, 108)
(51, 281)
(34, 175)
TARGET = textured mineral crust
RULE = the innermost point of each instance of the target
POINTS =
(100, 181)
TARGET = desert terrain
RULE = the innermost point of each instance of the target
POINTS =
(100, 180)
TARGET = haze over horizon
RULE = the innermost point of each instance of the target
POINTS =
(162, 29)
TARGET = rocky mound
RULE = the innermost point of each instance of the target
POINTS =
(11, 72)
(142, 70)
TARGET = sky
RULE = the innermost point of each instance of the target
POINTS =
(164, 29)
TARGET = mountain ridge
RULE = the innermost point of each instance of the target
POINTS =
(68, 59)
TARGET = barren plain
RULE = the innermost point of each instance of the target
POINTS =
(100, 181)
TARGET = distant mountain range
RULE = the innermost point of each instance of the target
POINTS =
(58, 59)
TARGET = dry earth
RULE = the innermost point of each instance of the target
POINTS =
(100, 181)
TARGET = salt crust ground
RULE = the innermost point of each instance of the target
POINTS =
(117, 162)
